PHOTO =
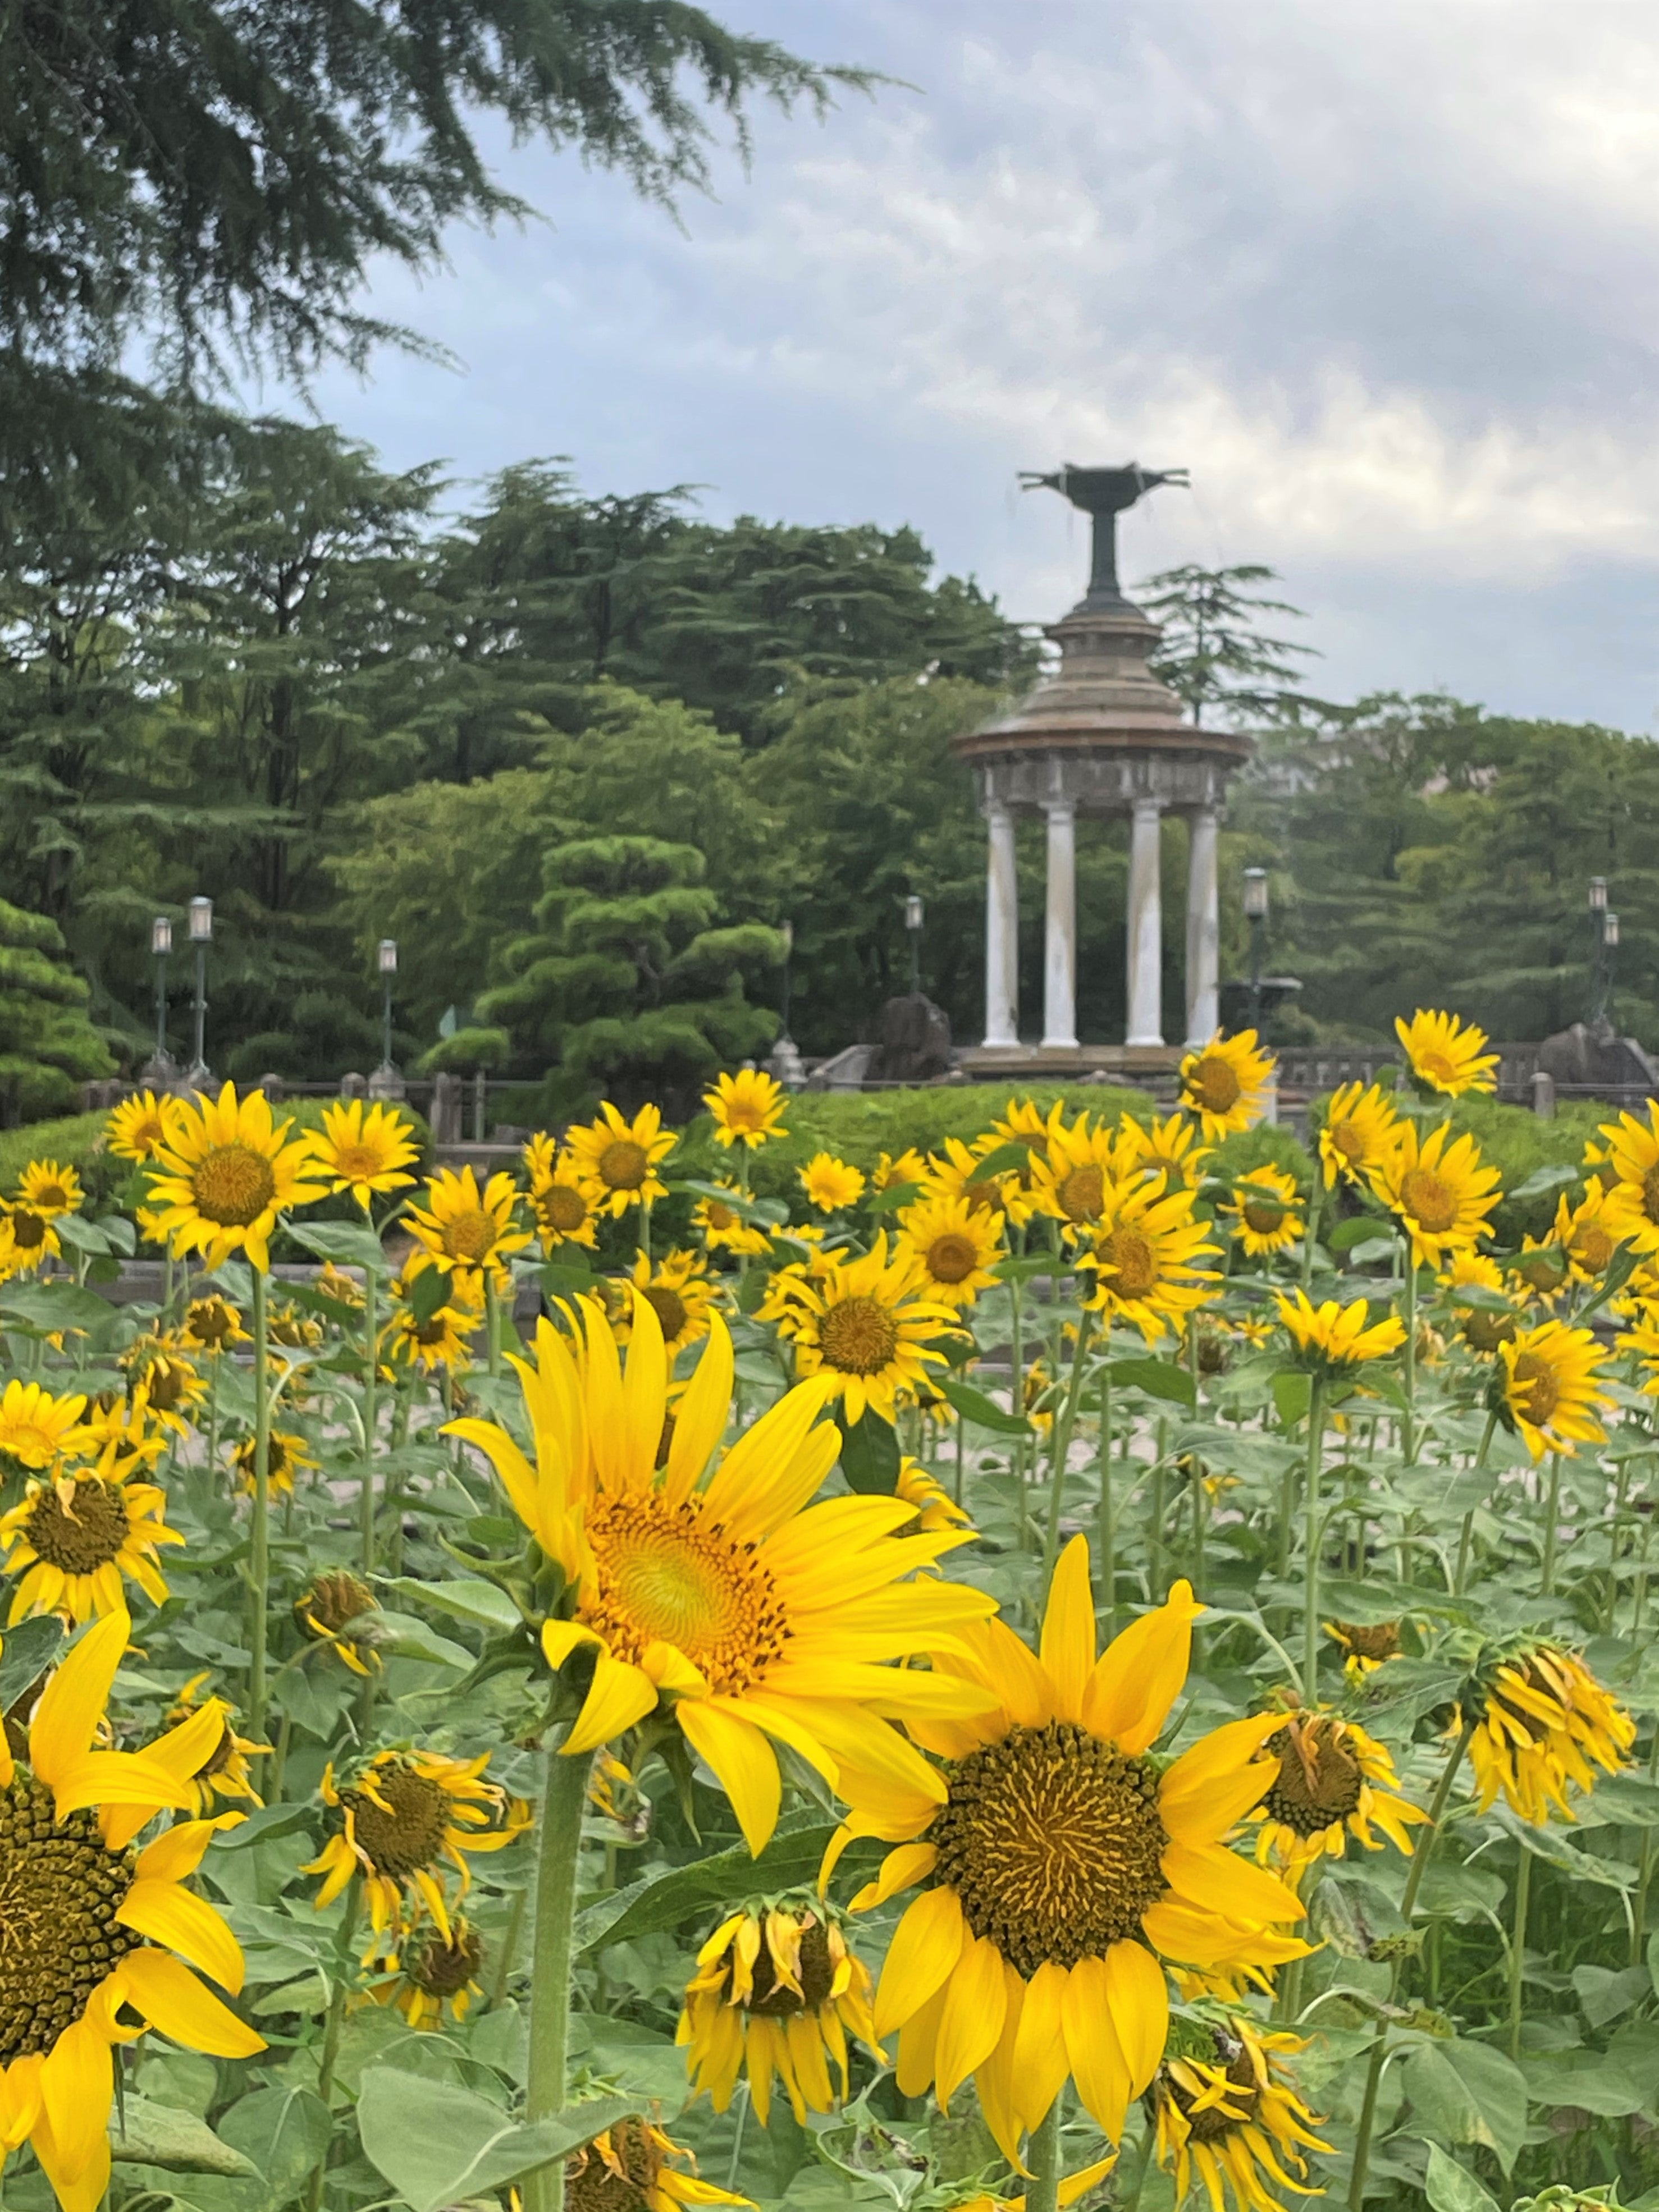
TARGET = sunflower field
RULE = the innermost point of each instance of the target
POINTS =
(1052, 1671)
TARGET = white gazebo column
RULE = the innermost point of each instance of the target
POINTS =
(1001, 927)
(1146, 927)
(1203, 929)
(1059, 940)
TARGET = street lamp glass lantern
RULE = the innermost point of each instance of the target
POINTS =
(1255, 894)
(201, 921)
(787, 932)
(387, 958)
(1610, 930)
(913, 912)
(1598, 894)
(160, 937)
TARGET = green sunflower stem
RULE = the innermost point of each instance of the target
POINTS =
(371, 1414)
(558, 1851)
(1063, 1428)
(492, 1321)
(1408, 1419)
(1465, 1536)
(1518, 1947)
(1108, 1536)
(335, 2022)
(1042, 2156)
(1313, 1542)
(259, 1548)
(1016, 1398)
(1552, 1529)
(1310, 1229)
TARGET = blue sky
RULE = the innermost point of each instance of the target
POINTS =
(1382, 278)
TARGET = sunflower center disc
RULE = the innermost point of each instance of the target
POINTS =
(28, 1229)
(233, 1185)
(468, 1235)
(147, 1136)
(1592, 1249)
(670, 1309)
(1379, 1641)
(592, 2185)
(1053, 1842)
(85, 1537)
(1535, 1389)
(166, 1383)
(1214, 1083)
(858, 1336)
(664, 1577)
(773, 1997)
(1266, 1217)
(1486, 1331)
(336, 1600)
(358, 1162)
(51, 1195)
(1436, 1068)
(1346, 1138)
(1430, 1202)
(561, 1206)
(1083, 1193)
(951, 1258)
(411, 1835)
(443, 1970)
(60, 1891)
(1541, 1271)
(1209, 2122)
(982, 1197)
(1318, 1780)
(719, 1217)
(210, 1322)
(1651, 1193)
(1128, 1266)
(624, 1165)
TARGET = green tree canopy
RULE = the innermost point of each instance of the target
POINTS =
(1215, 653)
(47, 1045)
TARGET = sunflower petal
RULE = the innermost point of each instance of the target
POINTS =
(1068, 1630)
(1138, 1995)
(1091, 2045)
(171, 2000)
(187, 1923)
(73, 1702)
(926, 1945)
(1139, 1675)
(971, 2026)
(744, 1761)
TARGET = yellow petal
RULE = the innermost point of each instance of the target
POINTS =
(186, 1923)
(1138, 1995)
(618, 1696)
(77, 2085)
(970, 2027)
(117, 1777)
(1139, 1675)
(1040, 2065)
(908, 1864)
(926, 1945)
(1219, 1881)
(1091, 2045)
(178, 1852)
(917, 2039)
(1218, 1780)
(744, 1761)
(171, 2000)
(1068, 1630)
(700, 1415)
(72, 1703)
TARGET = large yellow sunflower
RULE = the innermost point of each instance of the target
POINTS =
(864, 1326)
(463, 1229)
(225, 1174)
(1544, 1718)
(30, 1238)
(1437, 1190)
(1332, 1337)
(364, 1149)
(561, 1200)
(50, 1189)
(1145, 1256)
(1360, 1124)
(749, 1613)
(1168, 1145)
(1226, 2111)
(955, 1246)
(1224, 1086)
(1333, 1781)
(1446, 1056)
(1062, 1866)
(1264, 1208)
(138, 1129)
(746, 1109)
(37, 1428)
(1552, 1387)
(77, 1534)
(831, 1184)
(88, 1927)
(620, 1158)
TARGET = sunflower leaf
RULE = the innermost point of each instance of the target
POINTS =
(984, 1413)
(1451, 2187)
(146, 2134)
(437, 2144)
(660, 1903)
(870, 1454)
(347, 1243)
(28, 1650)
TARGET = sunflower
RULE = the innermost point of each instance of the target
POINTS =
(465, 1230)
(91, 1925)
(864, 1326)
(1585, 1234)
(212, 1325)
(1365, 1645)
(225, 1174)
(724, 1228)
(286, 1456)
(746, 1109)
(438, 1974)
(140, 1127)
(956, 1249)
(37, 1428)
(898, 1170)
(1552, 1378)
(363, 1148)
(224, 1771)
(1264, 1205)
(1225, 1087)
(1333, 1781)
(1482, 1329)
(1440, 1192)
(1071, 1175)
(1062, 1866)
(959, 1172)
(439, 1338)
(777, 1990)
(731, 1601)
(1145, 1256)
(935, 1508)
(1360, 1123)
(76, 1534)
(328, 1606)
(402, 1815)
(1446, 1056)
(561, 1201)
(832, 1185)
(627, 2169)
(1226, 2110)
(678, 1291)
(31, 1240)
(1542, 1269)
(1543, 1717)
(171, 1387)
(1331, 1337)
(619, 1159)
(51, 1189)
(1168, 1145)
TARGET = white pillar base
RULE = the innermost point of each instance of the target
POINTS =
(1060, 941)
(1145, 954)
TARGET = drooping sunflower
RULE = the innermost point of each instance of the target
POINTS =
(1439, 1190)
(1224, 1086)
(50, 1189)
(440, 1338)
(37, 1428)
(137, 1129)
(287, 1454)
(1365, 1645)
(724, 1228)
(1585, 1234)
(1264, 1205)
(831, 1184)
(678, 1289)
(746, 1109)
(405, 1817)
(224, 1771)
(1543, 1718)
(465, 1230)
(746, 1611)
(225, 1174)
(74, 1535)
(91, 1926)
(955, 1247)
(619, 1159)
(629, 2169)
(1061, 1867)
(1169, 1145)
(561, 1202)
(1145, 1256)
(364, 1149)
(1552, 1388)
(1483, 1327)
(1331, 1337)
(30, 1238)
(1360, 1123)
(935, 1508)
(1445, 1054)
(436, 1975)
(1333, 1781)
(1541, 1271)
(1226, 2110)
(777, 1990)
(864, 1325)
(328, 1606)
(212, 1325)
(170, 1385)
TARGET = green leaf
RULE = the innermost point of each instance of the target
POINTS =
(1544, 1183)
(570, 1276)
(663, 1902)
(437, 2144)
(870, 1454)
(1026, 1267)
(47, 1307)
(81, 1235)
(1008, 1159)
(285, 2133)
(29, 1649)
(1361, 1228)
(984, 1413)
(1548, 1844)
(1606, 1992)
(479, 1602)
(1451, 2187)
(1158, 1378)
(1292, 1395)
(1593, 2080)
(1468, 2092)
(145, 2134)
(347, 1243)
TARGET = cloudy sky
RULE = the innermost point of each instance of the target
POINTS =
(1383, 278)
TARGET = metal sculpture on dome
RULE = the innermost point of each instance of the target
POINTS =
(1103, 736)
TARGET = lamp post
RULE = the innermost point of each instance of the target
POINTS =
(1609, 961)
(201, 936)
(914, 915)
(386, 959)
(1256, 912)
(787, 932)
(160, 945)
(1598, 915)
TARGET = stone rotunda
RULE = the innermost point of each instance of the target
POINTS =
(1101, 736)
